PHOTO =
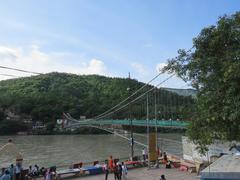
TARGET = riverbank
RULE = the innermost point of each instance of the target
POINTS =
(84, 131)
(152, 174)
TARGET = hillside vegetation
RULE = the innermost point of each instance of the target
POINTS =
(45, 97)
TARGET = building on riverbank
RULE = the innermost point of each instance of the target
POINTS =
(225, 168)
(215, 150)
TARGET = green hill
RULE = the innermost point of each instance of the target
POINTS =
(45, 97)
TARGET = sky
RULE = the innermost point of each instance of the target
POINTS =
(105, 37)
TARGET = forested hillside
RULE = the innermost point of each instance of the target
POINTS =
(45, 97)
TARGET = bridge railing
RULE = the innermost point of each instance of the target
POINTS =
(160, 123)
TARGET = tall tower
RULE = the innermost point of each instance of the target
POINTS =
(129, 75)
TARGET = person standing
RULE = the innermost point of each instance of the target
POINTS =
(110, 163)
(30, 171)
(6, 176)
(119, 171)
(124, 171)
(48, 175)
(106, 170)
(11, 149)
(2, 172)
(18, 171)
(115, 171)
(51, 173)
(144, 155)
(168, 165)
(162, 177)
(35, 170)
(11, 171)
(165, 158)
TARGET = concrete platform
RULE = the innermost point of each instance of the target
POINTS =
(226, 167)
(152, 174)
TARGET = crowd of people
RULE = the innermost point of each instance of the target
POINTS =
(35, 171)
(118, 169)
(12, 172)
(165, 160)
(47, 173)
(17, 172)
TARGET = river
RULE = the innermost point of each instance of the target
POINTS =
(66, 149)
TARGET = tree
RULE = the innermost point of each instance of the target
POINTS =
(12, 127)
(2, 115)
(212, 66)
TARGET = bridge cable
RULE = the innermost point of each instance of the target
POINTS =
(20, 70)
(9, 75)
(125, 104)
(109, 113)
(136, 98)
(128, 97)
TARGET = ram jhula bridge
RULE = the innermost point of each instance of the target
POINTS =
(151, 123)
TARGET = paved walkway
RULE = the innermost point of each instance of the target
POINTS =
(152, 174)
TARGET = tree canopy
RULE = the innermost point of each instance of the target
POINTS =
(212, 66)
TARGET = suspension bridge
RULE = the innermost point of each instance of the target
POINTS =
(127, 122)
(149, 106)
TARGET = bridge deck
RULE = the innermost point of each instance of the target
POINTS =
(159, 123)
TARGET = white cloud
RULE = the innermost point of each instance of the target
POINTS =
(33, 59)
(140, 69)
(94, 66)
(160, 66)
(8, 54)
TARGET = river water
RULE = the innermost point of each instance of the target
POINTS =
(66, 149)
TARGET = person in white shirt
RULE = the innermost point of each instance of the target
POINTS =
(10, 149)
(144, 155)
(124, 171)
(48, 175)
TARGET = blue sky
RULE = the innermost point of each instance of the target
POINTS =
(108, 37)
